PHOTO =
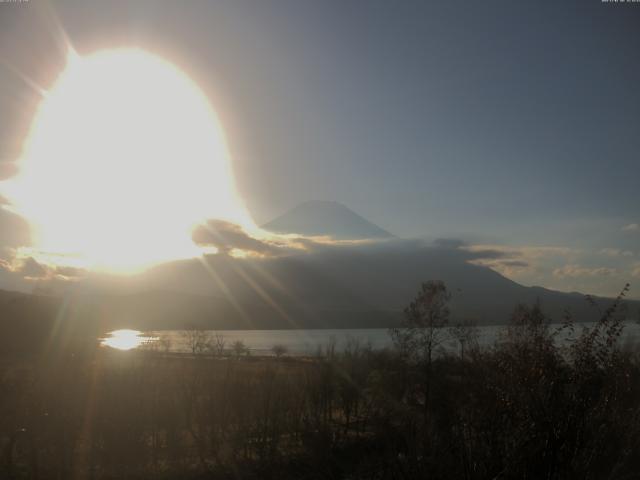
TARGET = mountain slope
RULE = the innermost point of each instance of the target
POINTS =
(320, 218)
(363, 286)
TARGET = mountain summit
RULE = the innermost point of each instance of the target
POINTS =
(325, 218)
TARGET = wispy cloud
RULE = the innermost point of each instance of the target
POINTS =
(229, 238)
(575, 271)
(599, 271)
(526, 251)
(632, 227)
(616, 252)
(30, 269)
(517, 262)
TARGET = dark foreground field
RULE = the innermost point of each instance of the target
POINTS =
(525, 408)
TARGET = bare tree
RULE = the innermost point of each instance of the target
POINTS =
(219, 343)
(423, 330)
(239, 348)
(466, 333)
(197, 340)
(279, 350)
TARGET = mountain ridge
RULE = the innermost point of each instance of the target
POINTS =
(326, 218)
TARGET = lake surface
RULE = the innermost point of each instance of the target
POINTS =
(303, 342)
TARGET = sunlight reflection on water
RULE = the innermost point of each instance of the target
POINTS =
(308, 342)
(126, 339)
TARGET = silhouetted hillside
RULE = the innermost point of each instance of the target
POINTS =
(336, 287)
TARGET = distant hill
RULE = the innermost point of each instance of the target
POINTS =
(320, 218)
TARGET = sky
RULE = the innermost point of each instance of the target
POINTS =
(501, 123)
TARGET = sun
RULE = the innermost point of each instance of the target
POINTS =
(124, 157)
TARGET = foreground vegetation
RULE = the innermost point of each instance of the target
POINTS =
(527, 407)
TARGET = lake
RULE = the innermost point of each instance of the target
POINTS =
(301, 342)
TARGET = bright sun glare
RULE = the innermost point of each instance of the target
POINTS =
(125, 155)
(126, 339)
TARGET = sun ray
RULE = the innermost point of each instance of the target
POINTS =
(246, 318)
(262, 293)
(277, 284)
(25, 78)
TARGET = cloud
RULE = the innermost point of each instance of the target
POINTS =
(511, 262)
(574, 271)
(28, 268)
(616, 252)
(561, 268)
(69, 272)
(5, 265)
(486, 254)
(526, 251)
(228, 237)
(515, 263)
(508, 268)
(632, 227)
(449, 243)
(480, 254)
